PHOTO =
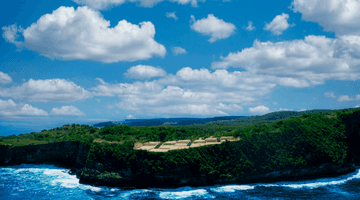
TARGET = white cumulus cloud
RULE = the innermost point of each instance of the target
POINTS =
(67, 110)
(184, 2)
(250, 27)
(330, 94)
(84, 34)
(278, 24)
(299, 63)
(105, 4)
(10, 109)
(10, 33)
(190, 91)
(171, 15)
(100, 4)
(144, 72)
(130, 117)
(57, 90)
(347, 98)
(340, 16)
(229, 107)
(259, 109)
(178, 50)
(284, 109)
(214, 27)
(5, 78)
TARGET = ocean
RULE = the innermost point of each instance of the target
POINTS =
(28, 181)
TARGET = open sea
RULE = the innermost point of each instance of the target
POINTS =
(28, 181)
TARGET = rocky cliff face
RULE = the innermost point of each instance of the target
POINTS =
(5, 155)
(352, 127)
(67, 154)
(74, 155)
(98, 174)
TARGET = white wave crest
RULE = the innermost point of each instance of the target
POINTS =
(126, 194)
(232, 188)
(185, 194)
(317, 183)
(89, 187)
(52, 172)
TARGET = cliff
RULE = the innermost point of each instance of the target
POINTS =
(66, 154)
(230, 162)
(74, 155)
(139, 174)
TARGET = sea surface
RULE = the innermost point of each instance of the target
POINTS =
(29, 181)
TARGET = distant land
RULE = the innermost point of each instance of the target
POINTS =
(16, 128)
(165, 121)
(274, 116)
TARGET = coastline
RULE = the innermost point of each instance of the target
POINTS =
(305, 174)
(257, 158)
(273, 177)
(73, 156)
(43, 178)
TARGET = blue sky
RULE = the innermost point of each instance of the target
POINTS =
(85, 61)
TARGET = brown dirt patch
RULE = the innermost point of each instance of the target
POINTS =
(105, 141)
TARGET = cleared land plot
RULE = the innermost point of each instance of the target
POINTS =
(183, 141)
(165, 146)
(147, 147)
(210, 143)
(169, 143)
(159, 150)
(211, 140)
(182, 144)
(151, 143)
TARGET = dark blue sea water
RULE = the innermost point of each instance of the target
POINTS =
(49, 182)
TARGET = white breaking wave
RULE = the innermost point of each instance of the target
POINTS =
(317, 183)
(65, 180)
(48, 175)
(186, 194)
(51, 180)
(55, 176)
(232, 188)
(128, 193)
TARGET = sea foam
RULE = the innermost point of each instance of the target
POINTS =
(232, 188)
(318, 182)
(200, 193)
